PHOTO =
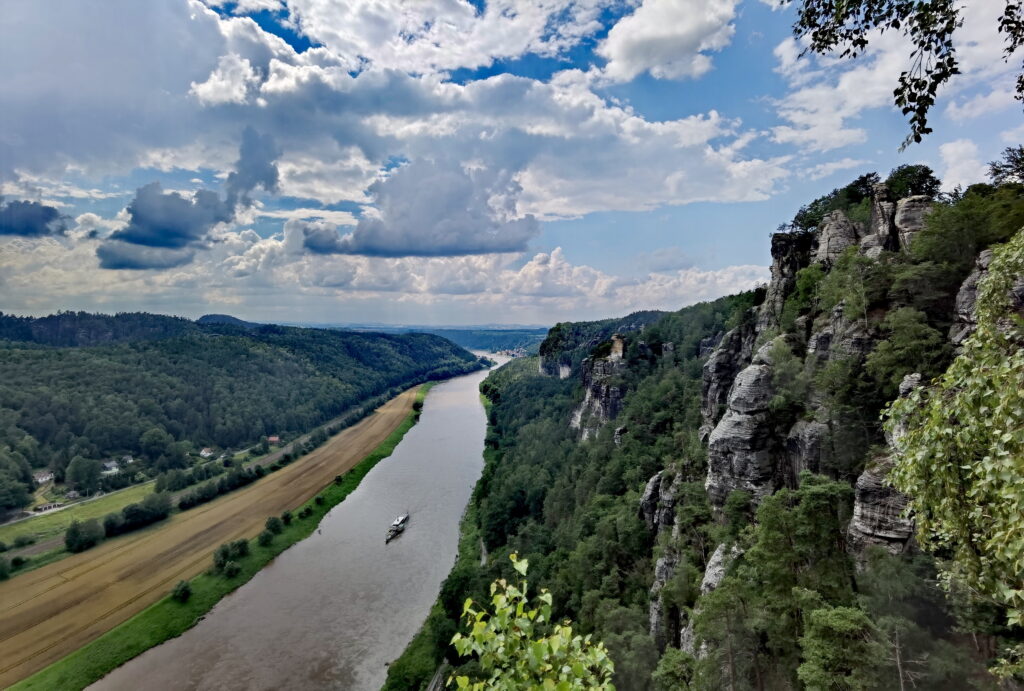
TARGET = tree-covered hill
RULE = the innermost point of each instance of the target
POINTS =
(159, 385)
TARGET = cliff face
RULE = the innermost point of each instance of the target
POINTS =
(751, 448)
(603, 391)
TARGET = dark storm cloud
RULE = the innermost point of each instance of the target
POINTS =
(169, 221)
(255, 168)
(115, 254)
(31, 219)
(430, 209)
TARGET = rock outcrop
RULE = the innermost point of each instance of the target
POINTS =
(658, 503)
(732, 354)
(878, 508)
(603, 391)
(837, 234)
(718, 566)
(878, 513)
(657, 509)
(909, 218)
(807, 448)
(742, 452)
(790, 253)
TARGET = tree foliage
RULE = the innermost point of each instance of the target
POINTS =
(960, 448)
(846, 27)
(520, 647)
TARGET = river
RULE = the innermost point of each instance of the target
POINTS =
(333, 610)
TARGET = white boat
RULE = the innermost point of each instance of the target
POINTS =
(396, 527)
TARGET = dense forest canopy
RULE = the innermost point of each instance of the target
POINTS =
(95, 386)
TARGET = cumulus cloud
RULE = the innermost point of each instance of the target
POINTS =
(667, 38)
(426, 208)
(159, 221)
(32, 219)
(962, 165)
(434, 35)
(229, 83)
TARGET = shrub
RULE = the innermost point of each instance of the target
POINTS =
(222, 556)
(260, 471)
(232, 569)
(3, 546)
(113, 524)
(182, 592)
(275, 525)
(81, 536)
(286, 517)
(18, 562)
(239, 549)
(319, 500)
(5, 569)
(338, 479)
(24, 541)
(265, 538)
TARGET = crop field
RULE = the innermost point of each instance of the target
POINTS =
(48, 613)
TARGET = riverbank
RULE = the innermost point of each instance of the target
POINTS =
(53, 612)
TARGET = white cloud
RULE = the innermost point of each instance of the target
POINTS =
(980, 104)
(961, 164)
(823, 170)
(434, 35)
(667, 38)
(229, 83)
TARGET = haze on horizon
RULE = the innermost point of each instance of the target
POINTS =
(438, 162)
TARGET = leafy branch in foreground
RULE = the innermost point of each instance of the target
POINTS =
(847, 28)
(960, 452)
(511, 644)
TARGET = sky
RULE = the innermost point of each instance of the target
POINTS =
(440, 161)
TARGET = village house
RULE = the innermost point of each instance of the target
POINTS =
(274, 439)
(206, 452)
(110, 467)
(42, 476)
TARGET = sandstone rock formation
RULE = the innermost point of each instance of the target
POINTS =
(837, 233)
(910, 216)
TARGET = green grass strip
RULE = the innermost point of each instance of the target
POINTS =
(167, 618)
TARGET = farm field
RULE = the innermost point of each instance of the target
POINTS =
(52, 611)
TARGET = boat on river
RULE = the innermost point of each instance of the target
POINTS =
(397, 527)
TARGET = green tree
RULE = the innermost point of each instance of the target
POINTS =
(1010, 168)
(519, 647)
(913, 179)
(911, 345)
(84, 474)
(675, 671)
(13, 493)
(960, 451)
(82, 536)
(275, 525)
(839, 649)
(846, 28)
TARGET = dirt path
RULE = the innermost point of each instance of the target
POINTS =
(52, 611)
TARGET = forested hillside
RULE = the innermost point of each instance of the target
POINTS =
(159, 386)
(709, 494)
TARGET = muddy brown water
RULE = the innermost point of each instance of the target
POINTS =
(333, 610)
